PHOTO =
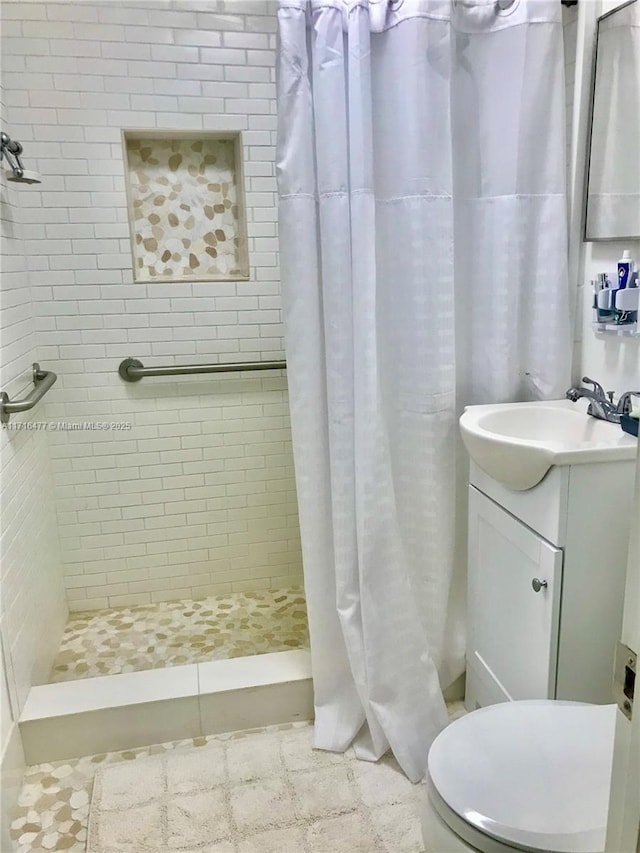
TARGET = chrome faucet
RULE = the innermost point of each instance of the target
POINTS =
(601, 403)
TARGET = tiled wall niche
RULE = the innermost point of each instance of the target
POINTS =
(186, 204)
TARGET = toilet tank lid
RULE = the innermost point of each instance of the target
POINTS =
(535, 774)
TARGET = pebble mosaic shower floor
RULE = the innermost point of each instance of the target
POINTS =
(172, 633)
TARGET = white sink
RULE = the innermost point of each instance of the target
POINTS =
(517, 443)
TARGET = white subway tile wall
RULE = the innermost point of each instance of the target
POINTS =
(33, 610)
(198, 497)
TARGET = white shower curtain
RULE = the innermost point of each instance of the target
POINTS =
(410, 288)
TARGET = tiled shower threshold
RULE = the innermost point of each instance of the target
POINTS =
(134, 709)
(174, 633)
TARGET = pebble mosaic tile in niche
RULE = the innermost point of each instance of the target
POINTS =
(185, 197)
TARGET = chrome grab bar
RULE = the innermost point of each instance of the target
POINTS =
(132, 370)
(42, 381)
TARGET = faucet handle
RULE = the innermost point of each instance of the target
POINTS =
(597, 387)
(610, 395)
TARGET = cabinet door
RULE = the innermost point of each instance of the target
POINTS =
(513, 630)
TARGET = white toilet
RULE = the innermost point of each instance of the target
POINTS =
(526, 775)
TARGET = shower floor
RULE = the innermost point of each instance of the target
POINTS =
(172, 633)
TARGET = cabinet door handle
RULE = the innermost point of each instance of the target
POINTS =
(537, 584)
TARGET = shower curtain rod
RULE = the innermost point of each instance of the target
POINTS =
(132, 370)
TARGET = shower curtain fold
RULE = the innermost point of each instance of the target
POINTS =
(411, 287)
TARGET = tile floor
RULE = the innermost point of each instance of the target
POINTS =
(53, 808)
(151, 636)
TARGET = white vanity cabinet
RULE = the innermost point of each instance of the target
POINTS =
(546, 573)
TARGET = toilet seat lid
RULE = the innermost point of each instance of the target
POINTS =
(535, 774)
